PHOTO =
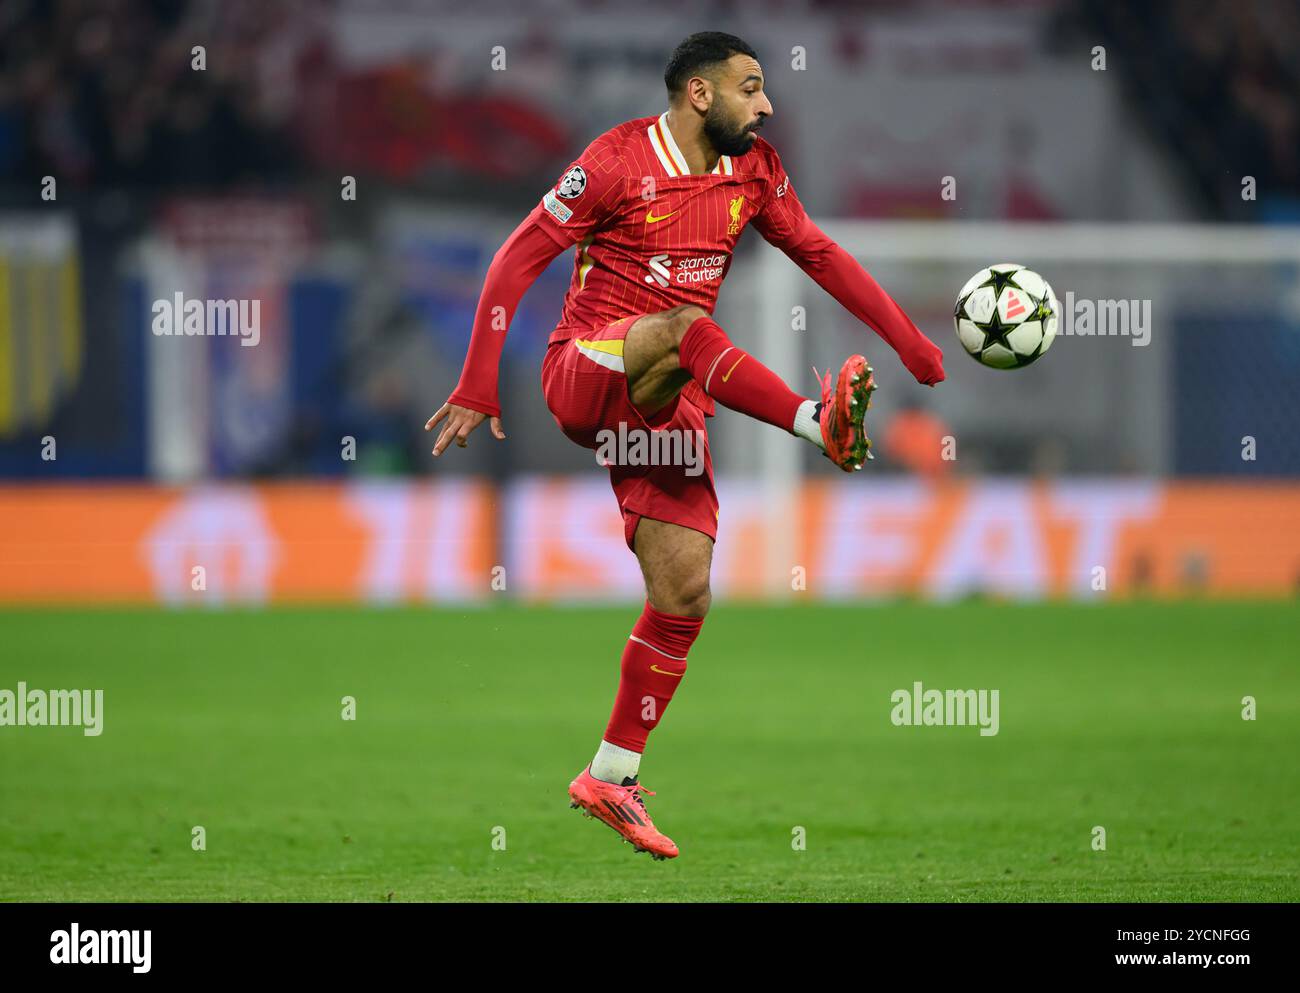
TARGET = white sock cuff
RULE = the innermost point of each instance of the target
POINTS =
(805, 426)
(613, 764)
(618, 750)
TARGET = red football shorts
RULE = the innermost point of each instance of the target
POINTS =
(586, 390)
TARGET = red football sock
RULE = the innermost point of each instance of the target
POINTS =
(654, 662)
(735, 378)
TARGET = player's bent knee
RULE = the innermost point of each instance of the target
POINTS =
(681, 318)
(686, 598)
(699, 606)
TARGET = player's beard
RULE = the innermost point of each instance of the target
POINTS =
(724, 135)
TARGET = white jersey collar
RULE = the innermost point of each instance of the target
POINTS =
(671, 157)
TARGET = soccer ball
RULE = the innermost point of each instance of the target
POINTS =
(1006, 316)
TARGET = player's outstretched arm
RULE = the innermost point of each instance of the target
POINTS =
(518, 262)
(783, 221)
(840, 275)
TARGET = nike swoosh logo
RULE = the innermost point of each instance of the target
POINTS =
(733, 368)
(655, 668)
(651, 219)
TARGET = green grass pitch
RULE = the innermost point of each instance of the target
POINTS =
(1127, 717)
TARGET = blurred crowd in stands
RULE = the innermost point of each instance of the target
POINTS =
(108, 94)
(103, 93)
(1219, 82)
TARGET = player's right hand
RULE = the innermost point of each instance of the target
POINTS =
(460, 422)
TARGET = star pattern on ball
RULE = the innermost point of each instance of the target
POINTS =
(995, 332)
(1044, 309)
(1001, 280)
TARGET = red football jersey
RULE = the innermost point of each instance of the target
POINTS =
(650, 235)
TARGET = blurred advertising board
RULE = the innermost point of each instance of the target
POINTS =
(560, 538)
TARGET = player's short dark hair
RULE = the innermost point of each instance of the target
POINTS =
(702, 50)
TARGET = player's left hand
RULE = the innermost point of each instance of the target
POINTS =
(926, 364)
(460, 422)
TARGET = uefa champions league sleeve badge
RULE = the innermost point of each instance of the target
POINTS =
(573, 183)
